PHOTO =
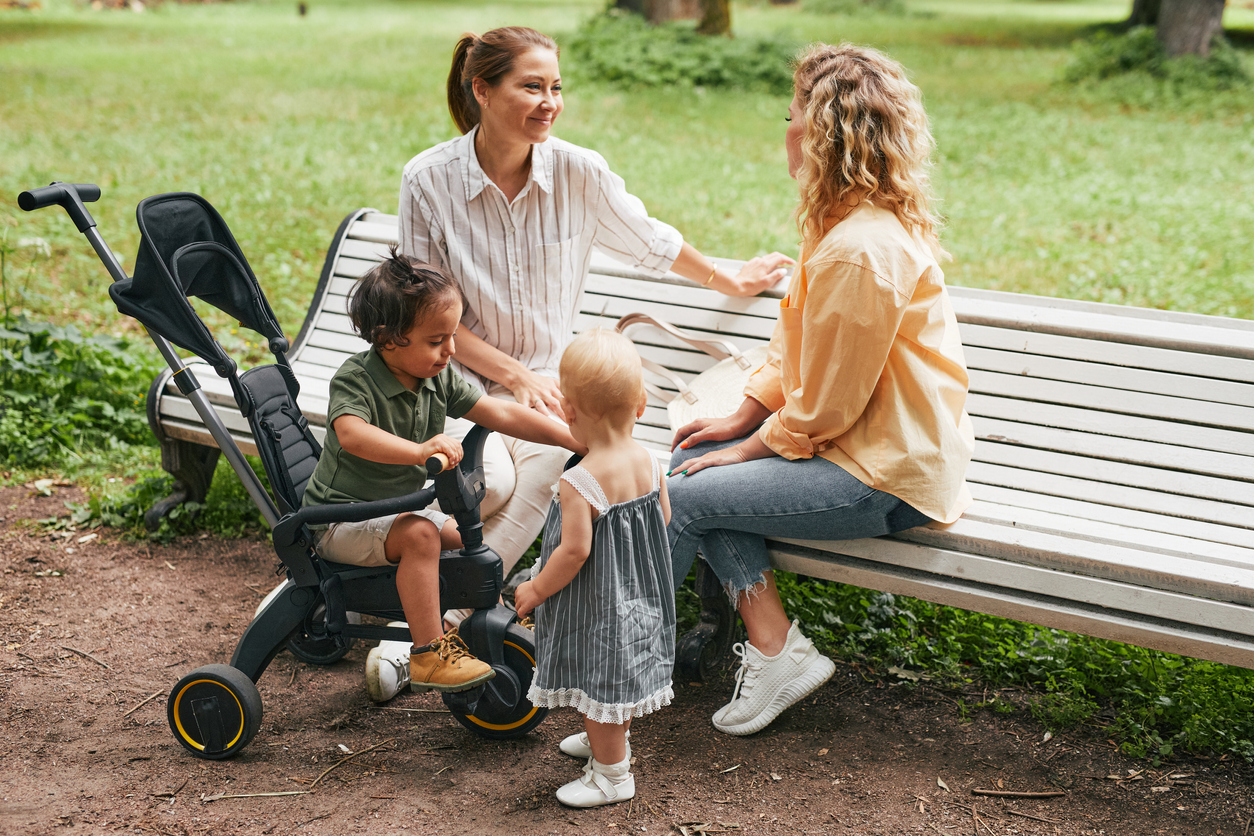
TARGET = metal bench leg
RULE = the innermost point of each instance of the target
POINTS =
(706, 648)
(192, 467)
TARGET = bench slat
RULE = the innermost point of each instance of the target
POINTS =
(984, 407)
(1117, 474)
(1117, 449)
(1097, 530)
(1122, 496)
(1192, 529)
(1113, 401)
(1110, 377)
(1225, 338)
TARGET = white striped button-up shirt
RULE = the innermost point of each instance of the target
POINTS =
(522, 264)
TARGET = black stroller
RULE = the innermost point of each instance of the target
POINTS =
(187, 250)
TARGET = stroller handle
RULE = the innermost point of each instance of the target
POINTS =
(69, 196)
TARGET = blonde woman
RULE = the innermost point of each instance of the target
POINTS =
(856, 427)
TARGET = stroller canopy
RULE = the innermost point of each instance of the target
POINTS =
(186, 250)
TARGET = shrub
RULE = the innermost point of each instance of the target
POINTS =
(624, 49)
(63, 394)
(1139, 53)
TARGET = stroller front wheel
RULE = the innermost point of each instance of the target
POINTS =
(498, 719)
(214, 711)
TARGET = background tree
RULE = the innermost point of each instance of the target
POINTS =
(715, 15)
(1184, 27)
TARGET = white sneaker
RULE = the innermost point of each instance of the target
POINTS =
(577, 746)
(599, 785)
(387, 668)
(766, 686)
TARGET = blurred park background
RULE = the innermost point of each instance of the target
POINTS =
(1073, 160)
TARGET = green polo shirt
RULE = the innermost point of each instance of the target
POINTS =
(366, 388)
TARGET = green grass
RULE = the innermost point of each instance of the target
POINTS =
(1120, 192)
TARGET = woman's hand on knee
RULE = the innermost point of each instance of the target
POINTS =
(714, 458)
(740, 423)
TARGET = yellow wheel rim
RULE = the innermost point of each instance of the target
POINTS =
(178, 722)
(507, 726)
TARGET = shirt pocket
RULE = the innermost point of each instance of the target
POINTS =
(553, 281)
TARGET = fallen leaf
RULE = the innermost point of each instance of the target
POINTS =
(775, 777)
(1048, 737)
(941, 783)
(822, 751)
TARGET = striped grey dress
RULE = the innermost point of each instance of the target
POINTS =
(606, 642)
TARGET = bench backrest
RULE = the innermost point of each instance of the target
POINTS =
(1143, 415)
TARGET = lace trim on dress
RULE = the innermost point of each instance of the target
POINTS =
(599, 712)
(589, 488)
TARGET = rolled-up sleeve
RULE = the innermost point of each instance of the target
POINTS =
(848, 322)
(627, 233)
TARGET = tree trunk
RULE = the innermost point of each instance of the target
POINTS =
(715, 17)
(1144, 13)
(660, 11)
(633, 6)
(1186, 27)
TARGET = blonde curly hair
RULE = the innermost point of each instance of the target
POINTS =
(866, 137)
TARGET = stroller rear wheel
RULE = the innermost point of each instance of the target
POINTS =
(312, 644)
(510, 714)
(214, 711)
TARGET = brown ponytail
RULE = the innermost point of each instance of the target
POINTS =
(490, 58)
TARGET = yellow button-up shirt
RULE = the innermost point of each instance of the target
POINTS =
(866, 369)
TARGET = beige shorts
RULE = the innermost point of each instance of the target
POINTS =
(362, 543)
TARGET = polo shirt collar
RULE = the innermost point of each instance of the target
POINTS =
(385, 380)
(476, 180)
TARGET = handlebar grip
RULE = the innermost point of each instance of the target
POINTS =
(69, 196)
(436, 463)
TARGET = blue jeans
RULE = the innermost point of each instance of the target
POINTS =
(728, 512)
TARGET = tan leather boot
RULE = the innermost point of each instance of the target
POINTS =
(446, 665)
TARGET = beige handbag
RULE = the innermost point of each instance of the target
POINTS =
(716, 392)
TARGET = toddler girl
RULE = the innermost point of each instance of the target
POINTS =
(602, 590)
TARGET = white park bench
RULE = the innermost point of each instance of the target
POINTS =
(1113, 473)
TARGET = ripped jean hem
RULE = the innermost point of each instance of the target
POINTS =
(751, 591)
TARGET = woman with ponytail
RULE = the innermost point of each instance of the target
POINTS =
(856, 426)
(513, 214)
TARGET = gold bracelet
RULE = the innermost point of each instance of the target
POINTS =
(706, 283)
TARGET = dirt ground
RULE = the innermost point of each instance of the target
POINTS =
(94, 632)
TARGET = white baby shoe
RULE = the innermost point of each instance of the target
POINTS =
(599, 785)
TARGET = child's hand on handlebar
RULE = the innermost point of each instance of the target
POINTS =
(441, 443)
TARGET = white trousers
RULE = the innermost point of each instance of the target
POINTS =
(520, 476)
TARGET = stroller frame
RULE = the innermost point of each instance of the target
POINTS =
(215, 711)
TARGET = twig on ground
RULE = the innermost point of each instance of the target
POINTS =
(414, 710)
(145, 701)
(293, 679)
(86, 655)
(1015, 794)
(345, 760)
(1034, 818)
(176, 791)
(205, 799)
(314, 819)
